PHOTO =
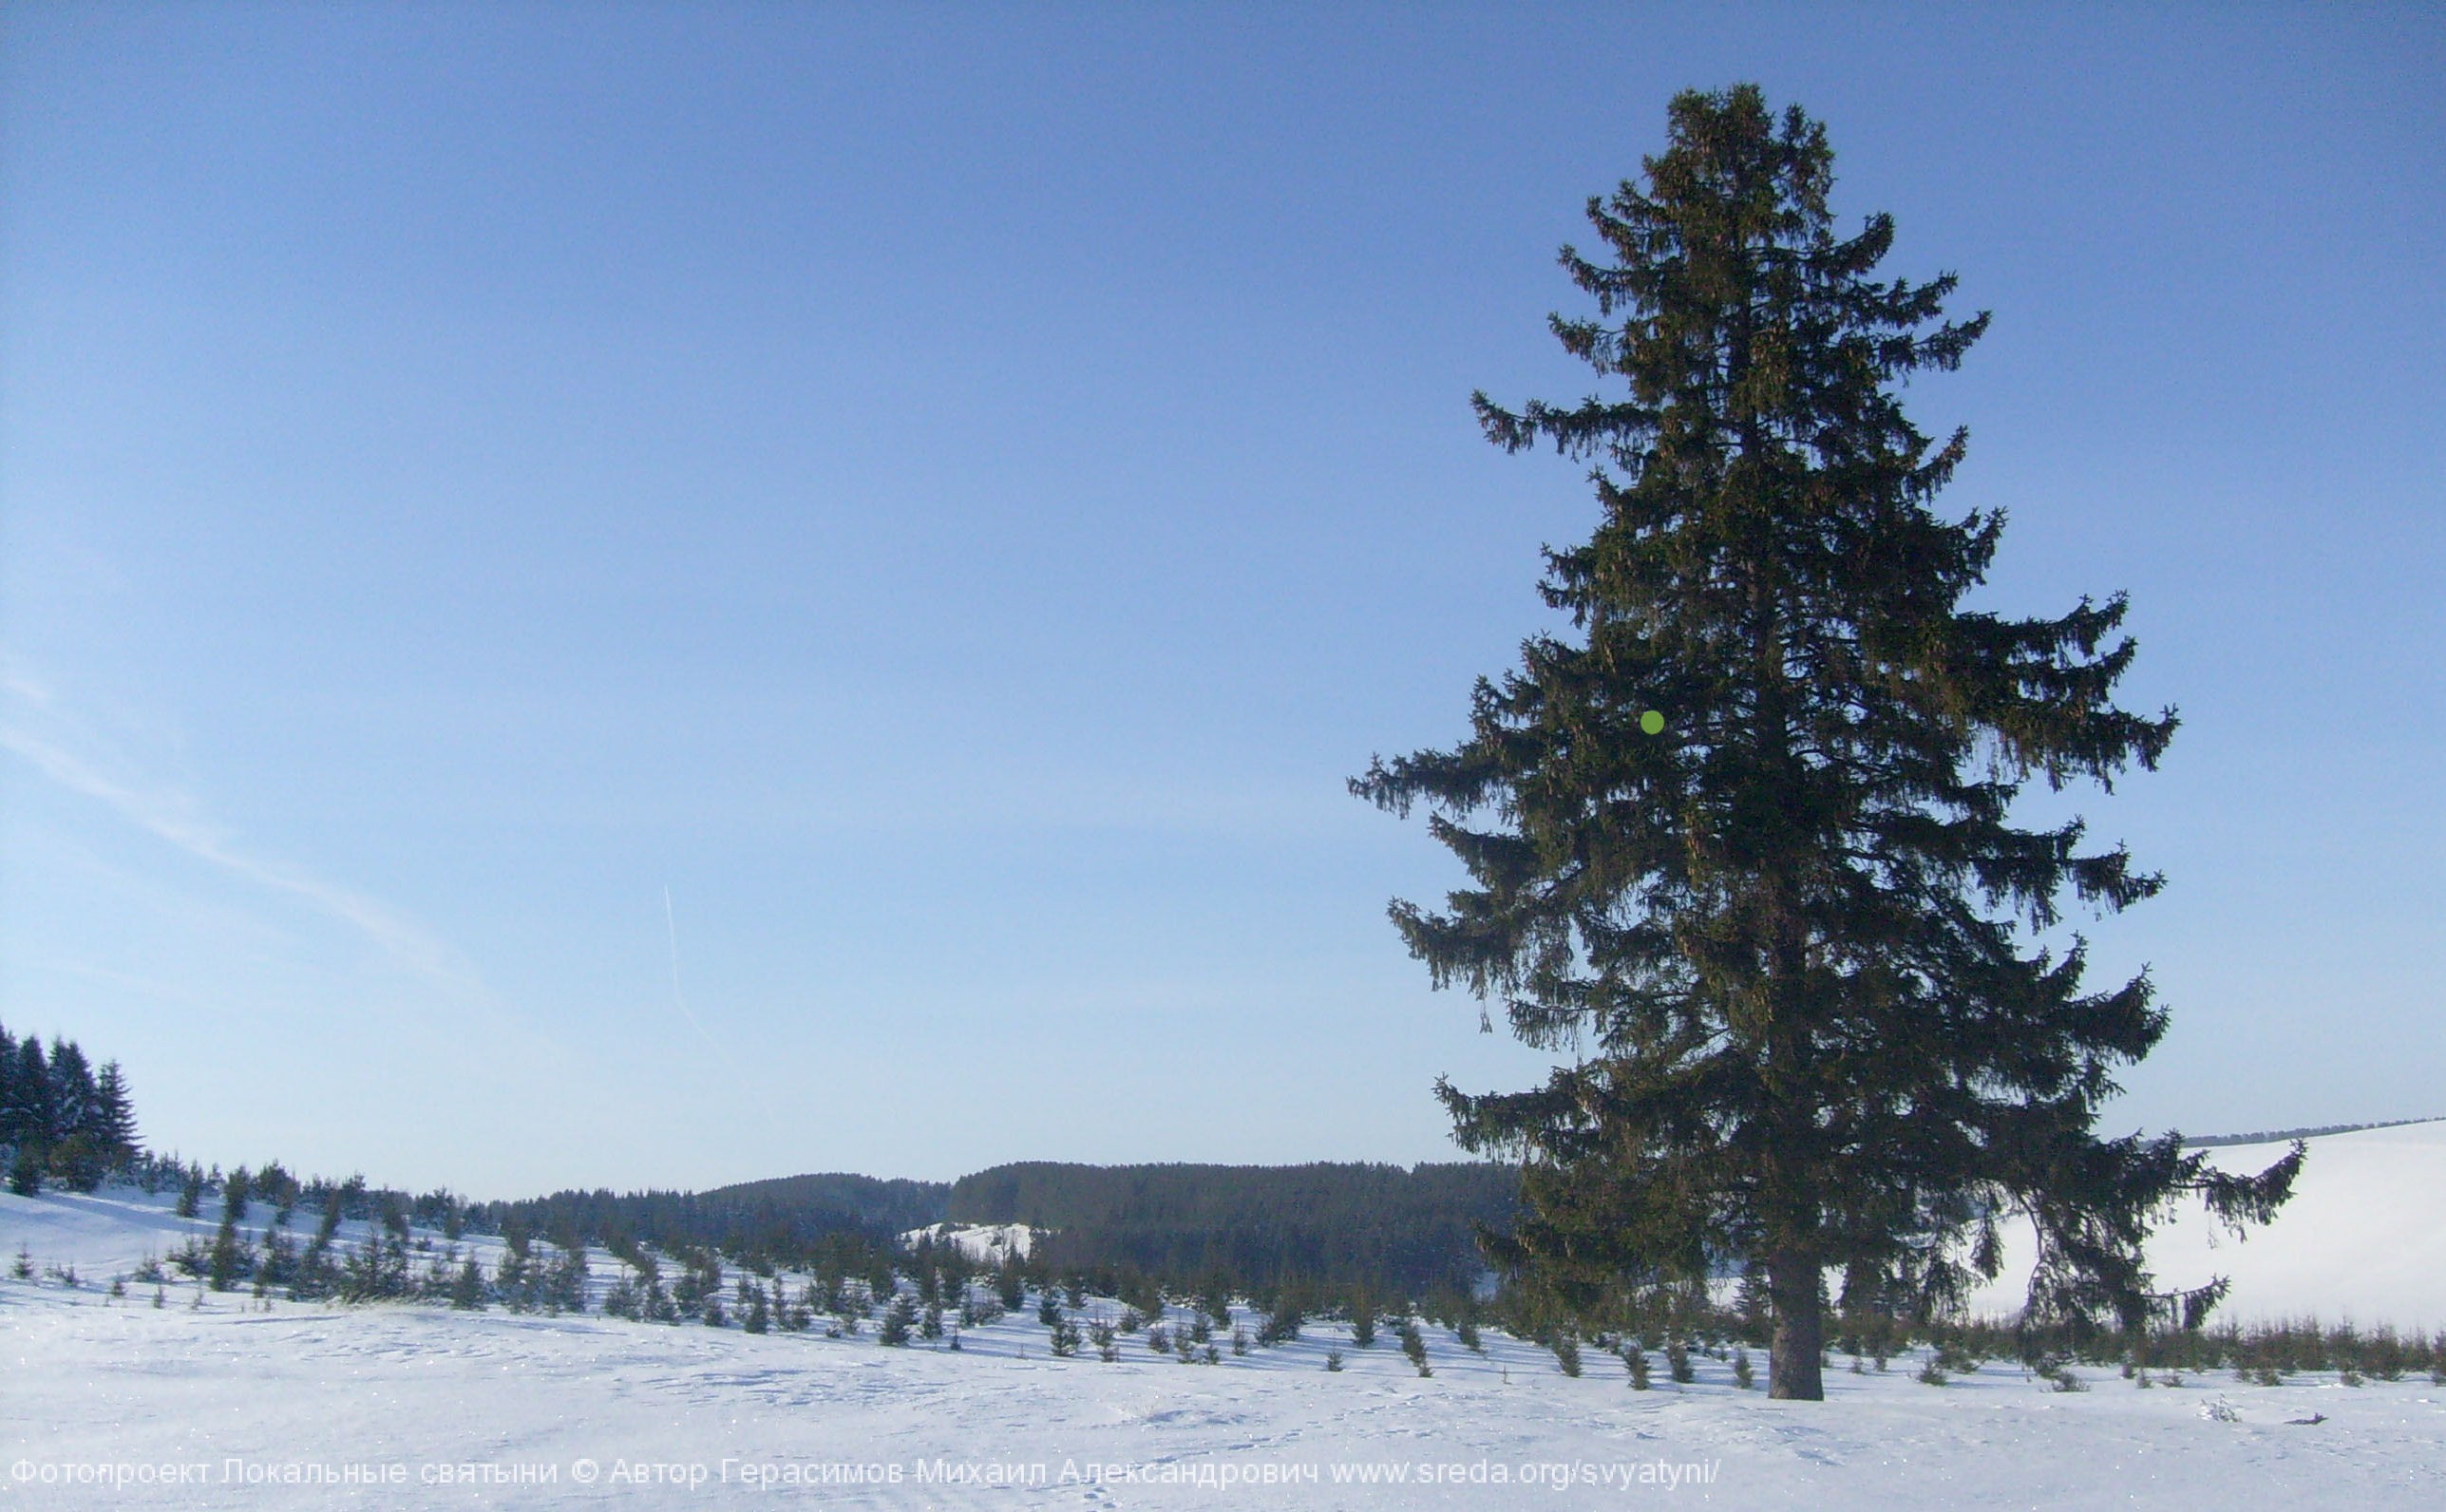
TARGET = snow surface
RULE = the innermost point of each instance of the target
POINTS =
(258, 1398)
(984, 1242)
(2363, 1241)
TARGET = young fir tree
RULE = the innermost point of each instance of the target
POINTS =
(80, 1165)
(898, 1319)
(1740, 842)
(468, 1287)
(114, 1115)
(73, 1094)
(10, 1134)
(31, 1101)
(1363, 1318)
(230, 1252)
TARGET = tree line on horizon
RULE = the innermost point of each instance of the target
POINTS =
(1337, 1225)
(1313, 1232)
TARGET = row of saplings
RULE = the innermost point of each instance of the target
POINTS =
(933, 1295)
(851, 1281)
(2264, 1355)
(389, 1263)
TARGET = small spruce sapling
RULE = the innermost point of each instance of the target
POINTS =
(1283, 1323)
(1011, 1284)
(1362, 1318)
(467, 1292)
(229, 1254)
(897, 1320)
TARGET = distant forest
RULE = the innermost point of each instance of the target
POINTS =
(1399, 1232)
(2280, 1136)
(1252, 1229)
(778, 1217)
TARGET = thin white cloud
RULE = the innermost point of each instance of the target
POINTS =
(173, 817)
(20, 683)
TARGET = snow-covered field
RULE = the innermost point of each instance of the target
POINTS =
(982, 1243)
(2363, 1241)
(113, 1402)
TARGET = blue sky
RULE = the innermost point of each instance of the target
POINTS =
(946, 495)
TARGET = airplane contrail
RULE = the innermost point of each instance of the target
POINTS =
(763, 1100)
(672, 921)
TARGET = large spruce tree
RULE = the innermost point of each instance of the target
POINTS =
(1742, 843)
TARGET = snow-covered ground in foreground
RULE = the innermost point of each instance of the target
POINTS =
(2363, 1241)
(255, 1402)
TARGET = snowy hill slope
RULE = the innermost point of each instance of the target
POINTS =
(275, 1405)
(2363, 1240)
(264, 1403)
(267, 1404)
(985, 1244)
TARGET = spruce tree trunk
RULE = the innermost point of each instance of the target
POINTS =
(1795, 1358)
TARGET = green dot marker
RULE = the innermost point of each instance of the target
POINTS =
(1652, 722)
